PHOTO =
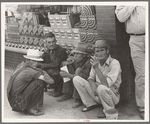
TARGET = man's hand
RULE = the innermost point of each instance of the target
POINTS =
(94, 62)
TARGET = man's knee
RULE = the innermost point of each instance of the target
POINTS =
(76, 80)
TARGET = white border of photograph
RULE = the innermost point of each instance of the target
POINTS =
(140, 3)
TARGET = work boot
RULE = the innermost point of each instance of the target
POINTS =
(77, 103)
(57, 92)
(63, 98)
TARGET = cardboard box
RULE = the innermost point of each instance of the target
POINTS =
(90, 36)
(41, 42)
(36, 41)
(76, 35)
(65, 21)
(58, 21)
(26, 41)
(57, 34)
(83, 35)
(13, 28)
(63, 34)
(52, 20)
(21, 40)
(30, 29)
(92, 24)
(41, 30)
(48, 29)
(31, 39)
(69, 34)
(25, 29)
(84, 22)
(35, 31)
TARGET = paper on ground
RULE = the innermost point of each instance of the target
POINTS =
(64, 68)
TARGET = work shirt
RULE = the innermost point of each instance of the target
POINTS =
(85, 65)
(23, 79)
(53, 59)
(134, 18)
(111, 70)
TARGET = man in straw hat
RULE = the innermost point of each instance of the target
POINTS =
(103, 83)
(25, 87)
(81, 66)
(53, 57)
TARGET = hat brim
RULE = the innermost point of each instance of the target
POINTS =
(77, 51)
(36, 59)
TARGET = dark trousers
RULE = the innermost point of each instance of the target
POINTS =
(58, 80)
(31, 97)
(69, 90)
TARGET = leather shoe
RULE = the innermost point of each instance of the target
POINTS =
(34, 112)
(77, 103)
(101, 114)
(85, 109)
(63, 98)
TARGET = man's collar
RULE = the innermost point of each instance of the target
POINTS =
(108, 60)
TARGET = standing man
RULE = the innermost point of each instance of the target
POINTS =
(81, 66)
(103, 83)
(25, 87)
(134, 18)
(53, 57)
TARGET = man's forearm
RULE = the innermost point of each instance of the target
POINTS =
(101, 77)
(124, 12)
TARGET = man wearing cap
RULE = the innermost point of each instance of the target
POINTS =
(80, 66)
(103, 83)
(134, 18)
(25, 87)
(53, 57)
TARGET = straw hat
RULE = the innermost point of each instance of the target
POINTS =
(82, 48)
(33, 55)
(101, 44)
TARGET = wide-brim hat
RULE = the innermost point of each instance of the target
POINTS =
(82, 48)
(101, 44)
(33, 55)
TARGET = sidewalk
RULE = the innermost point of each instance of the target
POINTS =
(63, 110)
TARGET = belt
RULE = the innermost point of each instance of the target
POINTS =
(138, 34)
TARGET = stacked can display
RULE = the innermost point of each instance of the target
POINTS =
(12, 30)
(31, 33)
(63, 28)
(88, 22)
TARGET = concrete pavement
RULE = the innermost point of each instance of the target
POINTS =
(54, 111)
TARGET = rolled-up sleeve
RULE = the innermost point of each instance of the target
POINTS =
(124, 12)
(115, 71)
(92, 74)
